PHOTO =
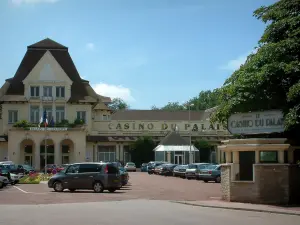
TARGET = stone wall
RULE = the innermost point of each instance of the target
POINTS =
(272, 184)
(294, 188)
(225, 181)
(272, 181)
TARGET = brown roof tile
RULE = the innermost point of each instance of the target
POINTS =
(79, 89)
(47, 44)
(160, 115)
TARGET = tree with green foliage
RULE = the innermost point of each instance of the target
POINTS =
(142, 150)
(118, 104)
(204, 149)
(205, 100)
(270, 78)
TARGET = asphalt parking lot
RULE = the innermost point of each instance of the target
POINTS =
(141, 186)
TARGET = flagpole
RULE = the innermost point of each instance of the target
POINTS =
(45, 148)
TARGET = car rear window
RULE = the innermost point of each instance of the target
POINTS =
(112, 169)
(212, 167)
(89, 168)
(192, 166)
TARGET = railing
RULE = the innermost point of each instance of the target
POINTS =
(47, 98)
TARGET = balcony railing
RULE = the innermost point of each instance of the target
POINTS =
(47, 99)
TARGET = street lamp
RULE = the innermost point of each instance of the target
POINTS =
(190, 153)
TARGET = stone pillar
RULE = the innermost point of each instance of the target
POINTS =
(291, 155)
(228, 157)
(281, 156)
(257, 161)
(57, 153)
(37, 159)
(221, 156)
(169, 157)
(117, 152)
(53, 113)
(121, 151)
(236, 158)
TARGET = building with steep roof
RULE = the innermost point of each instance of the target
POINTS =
(81, 126)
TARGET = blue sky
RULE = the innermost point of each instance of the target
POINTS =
(148, 52)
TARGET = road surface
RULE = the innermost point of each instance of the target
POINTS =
(134, 212)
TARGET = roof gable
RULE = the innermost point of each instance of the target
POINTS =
(47, 44)
(47, 69)
(173, 139)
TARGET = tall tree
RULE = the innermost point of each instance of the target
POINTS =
(118, 104)
(173, 106)
(205, 100)
(142, 150)
(270, 78)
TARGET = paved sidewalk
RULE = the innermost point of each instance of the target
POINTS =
(244, 206)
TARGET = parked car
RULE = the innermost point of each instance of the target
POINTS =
(151, 166)
(179, 171)
(130, 166)
(158, 169)
(3, 182)
(14, 168)
(12, 178)
(210, 173)
(94, 176)
(144, 167)
(167, 169)
(193, 169)
(28, 169)
(124, 176)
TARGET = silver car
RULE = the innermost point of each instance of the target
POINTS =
(193, 170)
(130, 166)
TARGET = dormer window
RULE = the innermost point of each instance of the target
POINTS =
(47, 91)
(34, 91)
(60, 92)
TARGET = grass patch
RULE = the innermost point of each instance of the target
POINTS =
(35, 178)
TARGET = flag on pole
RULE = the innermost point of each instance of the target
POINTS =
(45, 119)
(41, 121)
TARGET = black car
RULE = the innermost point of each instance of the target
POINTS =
(152, 165)
(167, 169)
(4, 172)
(90, 176)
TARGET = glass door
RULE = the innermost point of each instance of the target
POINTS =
(65, 159)
(178, 159)
(28, 160)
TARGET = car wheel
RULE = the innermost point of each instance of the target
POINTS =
(1, 185)
(58, 186)
(205, 181)
(72, 189)
(188, 178)
(111, 190)
(98, 187)
(218, 180)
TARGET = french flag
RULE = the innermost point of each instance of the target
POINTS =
(44, 119)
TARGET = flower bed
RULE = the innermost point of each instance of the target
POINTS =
(35, 178)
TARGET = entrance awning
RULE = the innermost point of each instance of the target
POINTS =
(175, 148)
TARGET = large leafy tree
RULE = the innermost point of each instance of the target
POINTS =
(142, 150)
(118, 104)
(205, 100)
(270, 78)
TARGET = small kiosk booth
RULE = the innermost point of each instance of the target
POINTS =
(175, 149)
(259, 170)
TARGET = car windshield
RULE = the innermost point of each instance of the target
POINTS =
(192, 166)
(130, 164)
(27, 167)
(211, 167)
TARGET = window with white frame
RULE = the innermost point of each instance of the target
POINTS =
(12, 116)
(34, 114)
(81, 115)
(47, 91)
(34, 91)
(104, 117)
(60, 92)
(60, 114)
(48, 110)
(108, 117)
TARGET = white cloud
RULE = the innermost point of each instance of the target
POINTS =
(19, 2)
(114, 91)
(90, 46)
(235, 64)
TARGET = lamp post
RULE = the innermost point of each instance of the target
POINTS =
(190, 153)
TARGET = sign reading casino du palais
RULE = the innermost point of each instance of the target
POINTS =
(256, 122)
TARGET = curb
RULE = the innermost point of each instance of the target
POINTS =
(238, 208)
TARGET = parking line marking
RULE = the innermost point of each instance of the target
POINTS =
(21, 190)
